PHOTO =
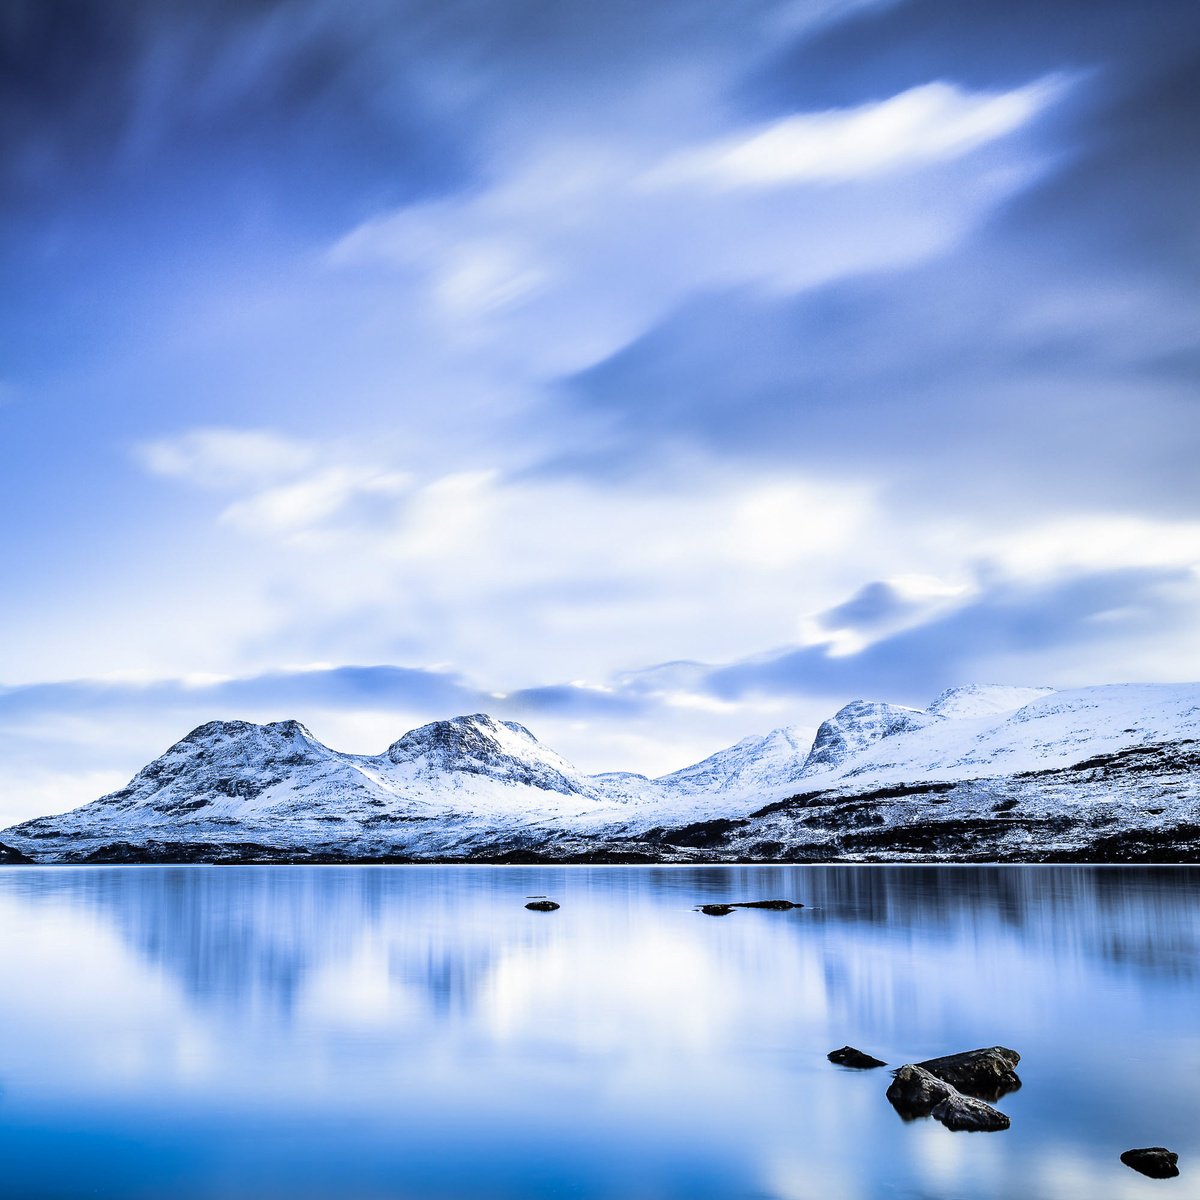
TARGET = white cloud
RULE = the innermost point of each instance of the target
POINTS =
(222, 458)
(927, 124)
(285, 486)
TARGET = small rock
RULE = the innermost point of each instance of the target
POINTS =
(777, 905)
(1156, 1161)
(716, 910)
(848, 1056)
(541, 906)
(986, 1074)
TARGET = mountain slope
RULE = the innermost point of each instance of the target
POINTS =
(992, 771)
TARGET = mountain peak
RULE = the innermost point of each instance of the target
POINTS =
(469, 736)
(481, 745)
(860, 724)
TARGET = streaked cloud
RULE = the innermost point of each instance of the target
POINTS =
(926, 124)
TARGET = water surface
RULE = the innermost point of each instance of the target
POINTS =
(415, 1032)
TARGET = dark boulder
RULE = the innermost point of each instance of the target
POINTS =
(541, 906)
(986, 1074)
(776, 905)
(965, 1113)
(915, 1092)
(1156, 1161)
(716, 910)
(848, 1056)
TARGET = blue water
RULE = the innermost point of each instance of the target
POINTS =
(415, 1032)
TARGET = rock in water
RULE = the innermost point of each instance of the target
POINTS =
(1156, 1161)
(716, 910)
(541, 906)
(776, 905)
(959, 1112)
(848, 1056)
(986, 1074)
(915, 1092)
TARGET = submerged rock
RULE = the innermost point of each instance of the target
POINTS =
(915, 1092)
(541, 906)
(848, 1056)
(986, 1074)
(1156, 1161)
(776, 905)
(716, 910)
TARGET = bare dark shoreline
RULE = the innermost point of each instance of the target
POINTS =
(241, 854)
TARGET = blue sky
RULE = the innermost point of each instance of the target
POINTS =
(655, 373)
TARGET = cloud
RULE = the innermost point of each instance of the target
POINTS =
(570, 248)
(224, 458)
(926, 124)
(287, 486)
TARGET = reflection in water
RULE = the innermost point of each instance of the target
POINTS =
(416, 1032)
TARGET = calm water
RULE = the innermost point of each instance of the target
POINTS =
(414, 1032)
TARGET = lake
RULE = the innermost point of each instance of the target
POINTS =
(415, 1032)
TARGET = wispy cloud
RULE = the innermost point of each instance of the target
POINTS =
(926, 124)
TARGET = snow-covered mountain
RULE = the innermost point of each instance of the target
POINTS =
(1006, 772)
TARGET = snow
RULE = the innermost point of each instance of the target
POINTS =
(982, 700)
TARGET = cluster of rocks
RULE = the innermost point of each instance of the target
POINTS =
(541, 904)
(955, 1090)
(723, 910)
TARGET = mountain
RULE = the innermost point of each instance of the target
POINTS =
(983, 773)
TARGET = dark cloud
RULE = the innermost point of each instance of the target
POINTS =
(940, 381)
(283, 693)
(871, 606)
(1007, 623)
(881, 49)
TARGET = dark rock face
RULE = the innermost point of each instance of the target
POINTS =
(541, 906)
(986, 1074)
(775, 905)
(716, 910)
(915, 1092)
(848, 1056)
(703, 835)
(1156, 1161)
(10, 857)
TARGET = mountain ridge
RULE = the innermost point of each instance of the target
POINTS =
(475, 786)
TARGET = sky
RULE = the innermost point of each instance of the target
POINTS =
(655, 373)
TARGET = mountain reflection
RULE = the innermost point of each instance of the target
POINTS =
(250, 937)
